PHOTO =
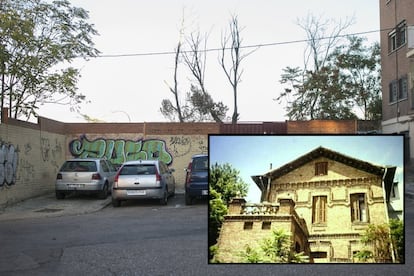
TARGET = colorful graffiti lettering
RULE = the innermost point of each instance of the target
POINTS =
(119, 151)
(9, 157)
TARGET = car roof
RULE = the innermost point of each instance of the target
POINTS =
(85, 159)
(134, 162)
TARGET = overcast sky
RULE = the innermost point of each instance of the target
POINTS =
(252, 155)
(132, 88)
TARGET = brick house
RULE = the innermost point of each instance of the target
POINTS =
(323, 199)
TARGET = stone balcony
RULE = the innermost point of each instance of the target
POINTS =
(264, 208)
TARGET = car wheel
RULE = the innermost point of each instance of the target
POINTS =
(60, 195)
(104, 193)
(188, 199)
(164, 199)
(116, 203)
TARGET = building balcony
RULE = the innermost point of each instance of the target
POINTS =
(259, 209)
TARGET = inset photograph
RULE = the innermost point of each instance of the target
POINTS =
(306, 199)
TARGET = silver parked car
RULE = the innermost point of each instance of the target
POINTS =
(143, 179)
(89, 175)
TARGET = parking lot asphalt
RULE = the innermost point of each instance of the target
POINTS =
(48, 206)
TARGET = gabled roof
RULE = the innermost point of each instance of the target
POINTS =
(314, 154)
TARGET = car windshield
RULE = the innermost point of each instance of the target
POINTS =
(143, 169)
(79, 166)
(200, 164)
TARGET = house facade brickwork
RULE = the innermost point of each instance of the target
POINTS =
(335, 196)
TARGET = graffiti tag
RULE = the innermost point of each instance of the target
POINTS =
(118, 151)
(9, 156)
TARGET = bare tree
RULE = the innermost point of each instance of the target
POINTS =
(195, 59)
(232, 68)
(198, 103)
(167, 108)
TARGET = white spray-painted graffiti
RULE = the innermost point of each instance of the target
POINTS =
(9, 156)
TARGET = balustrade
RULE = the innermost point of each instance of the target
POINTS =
(259, 209)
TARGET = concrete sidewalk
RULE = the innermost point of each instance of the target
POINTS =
(48, 206)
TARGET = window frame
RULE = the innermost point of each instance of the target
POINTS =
(319, 209)
(266, 225)
(398, 90)
(397, 38)
(319, 254)
(403, 88)
(393, 91)
(321, 168)
(248, 225)
(359, 212)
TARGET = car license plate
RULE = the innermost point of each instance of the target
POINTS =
(135, 192)
(204, 192)
(76, 185)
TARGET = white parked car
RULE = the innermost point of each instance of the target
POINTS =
(89, 175)
(143, 179)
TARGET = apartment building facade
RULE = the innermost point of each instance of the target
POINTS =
(397, 64)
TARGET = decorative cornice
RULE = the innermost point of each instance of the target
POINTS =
(360, 181)
(327, 236)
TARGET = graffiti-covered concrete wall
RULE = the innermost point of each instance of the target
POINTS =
(173, 143)
(29, 160)
(174, 150)
(31, 154)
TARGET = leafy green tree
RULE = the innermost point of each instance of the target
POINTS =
(37, 39)
(224, 184)
(338, 77)
(397, 236)
(276, 249)
(379, 237)
(359, 75)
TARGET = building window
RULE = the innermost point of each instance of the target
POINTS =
(319, 209)
(398, 90)
(397, 37)
(321, 168)
(358, 208)
(402, 88)
(319, 255)
(266, 225)
(393, 91)
(248, 225)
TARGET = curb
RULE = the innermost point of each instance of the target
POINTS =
(48, 206)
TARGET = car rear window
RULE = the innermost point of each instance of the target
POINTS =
(200, 163)
(79, 166)
(139, 169)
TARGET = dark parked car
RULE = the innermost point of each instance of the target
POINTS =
(196, 180)
(89, 175)
(143, 179)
